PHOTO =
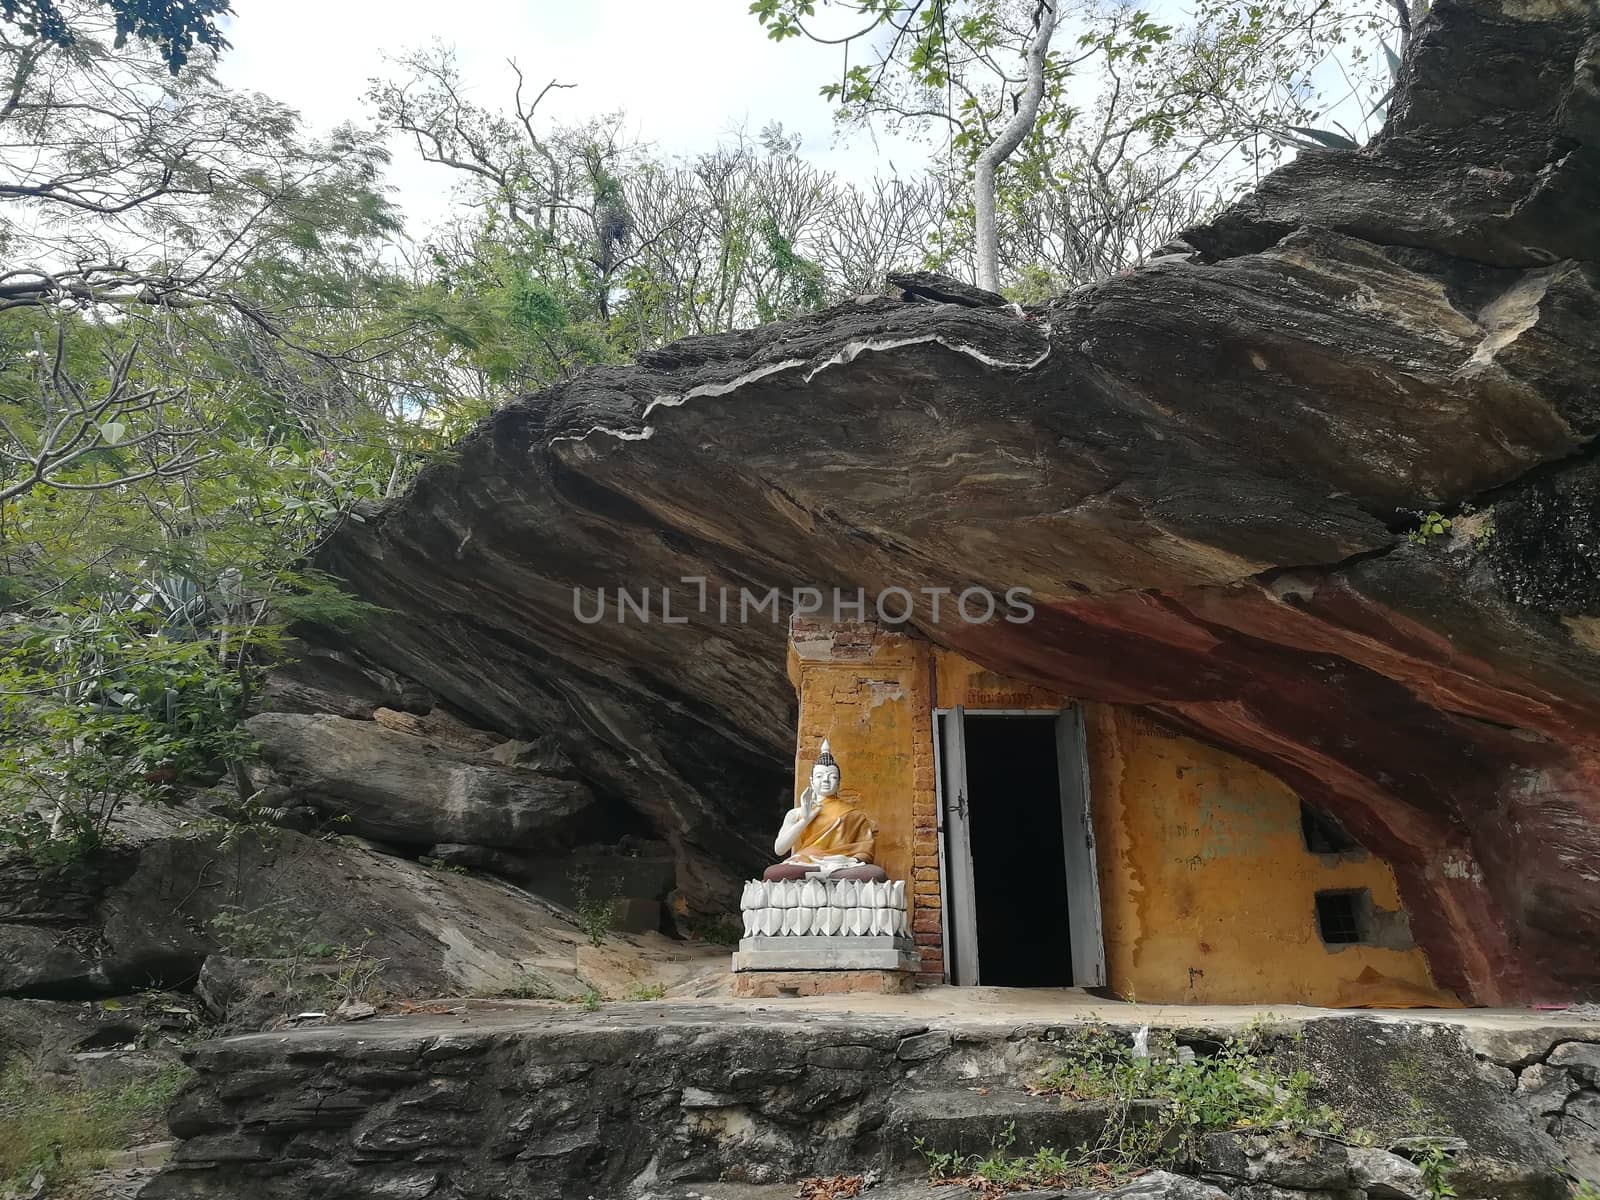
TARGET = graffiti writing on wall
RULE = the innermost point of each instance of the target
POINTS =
(997, 699)
(1229, 826)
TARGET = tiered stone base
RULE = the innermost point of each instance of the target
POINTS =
(824, 907)
(817, 936)
(773, 985)
(825, 954)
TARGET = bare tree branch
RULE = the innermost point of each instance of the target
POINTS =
(124, 418)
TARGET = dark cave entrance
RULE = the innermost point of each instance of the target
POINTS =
(1021, 892)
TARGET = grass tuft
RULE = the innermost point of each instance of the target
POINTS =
(1159, 1106)
(66, 1131)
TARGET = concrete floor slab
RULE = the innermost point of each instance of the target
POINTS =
(1504, 1035)
(981, 1006)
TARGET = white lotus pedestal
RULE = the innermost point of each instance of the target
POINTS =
(813, 937)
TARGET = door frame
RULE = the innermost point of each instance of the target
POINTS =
(958, 912)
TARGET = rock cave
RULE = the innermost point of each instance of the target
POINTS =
(1206, 473)
(1283, 698)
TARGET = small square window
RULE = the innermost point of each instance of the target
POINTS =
(1324, 835)
(1344, 918)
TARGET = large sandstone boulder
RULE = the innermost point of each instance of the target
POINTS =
(94, 929)
(1382, 1073)
(1205, 471)
(154, 911)
(406, 789)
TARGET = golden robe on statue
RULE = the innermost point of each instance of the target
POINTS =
(824, 835)
(839, 829)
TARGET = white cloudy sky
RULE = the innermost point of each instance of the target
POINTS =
(685, 71)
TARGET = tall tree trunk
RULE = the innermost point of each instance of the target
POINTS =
(1406, 14)
(1010, 137)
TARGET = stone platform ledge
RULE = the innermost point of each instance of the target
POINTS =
(542, 1101)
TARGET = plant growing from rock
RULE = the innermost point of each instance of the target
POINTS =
(360, 975)
(266, 931)
(1433, 525)
(1157, 1109)
(246, 819)
(298, 964)
(1241, 1085)
(1434, 1162)
(597, 918)
(529, 987)
(999, 1169)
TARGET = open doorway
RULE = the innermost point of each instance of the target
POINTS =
(1019, 866)
(1022, 900)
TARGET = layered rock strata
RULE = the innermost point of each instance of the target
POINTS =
(1206, 473)
(650, 1100)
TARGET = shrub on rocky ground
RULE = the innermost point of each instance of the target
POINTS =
(52, 1132)
(1161, 1101)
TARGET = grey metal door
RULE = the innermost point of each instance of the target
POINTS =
(1077, 833)
(961, 913)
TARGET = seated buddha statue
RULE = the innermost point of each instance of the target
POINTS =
(825, 835)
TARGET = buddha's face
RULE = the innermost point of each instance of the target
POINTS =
(825, 779)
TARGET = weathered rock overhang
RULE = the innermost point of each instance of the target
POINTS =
(1203, 471)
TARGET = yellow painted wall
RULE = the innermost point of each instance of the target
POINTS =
(960, 681)
(862, 696)
(1207, 889)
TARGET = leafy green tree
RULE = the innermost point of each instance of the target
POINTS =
(142, 605)
(145, 192)
(580, 247)
(173, 26)
(558, 231)
(212, 353)
(1070, 124)
(106, 708)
